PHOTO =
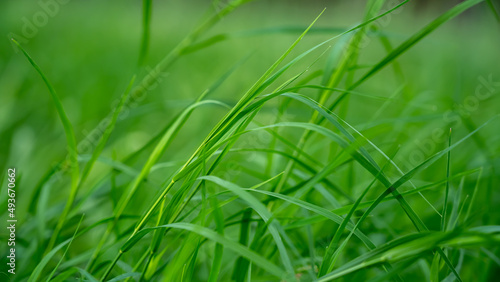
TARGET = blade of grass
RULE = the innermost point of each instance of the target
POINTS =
(71, 143)
(146, 22)
(447, 191)
(493, 9)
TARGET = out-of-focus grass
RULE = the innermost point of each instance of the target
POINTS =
(200, 181)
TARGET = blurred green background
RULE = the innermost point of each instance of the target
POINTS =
(89, 51)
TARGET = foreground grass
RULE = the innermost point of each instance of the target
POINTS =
(284, 186)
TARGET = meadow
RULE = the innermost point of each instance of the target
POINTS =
(250, 140)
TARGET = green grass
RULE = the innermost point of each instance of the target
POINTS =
(308, 144)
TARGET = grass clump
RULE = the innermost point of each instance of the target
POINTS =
(329, 167)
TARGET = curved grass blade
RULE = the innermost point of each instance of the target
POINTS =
(71, 143)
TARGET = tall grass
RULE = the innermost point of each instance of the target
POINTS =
(315, 197)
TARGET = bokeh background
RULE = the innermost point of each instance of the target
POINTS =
(89, 50)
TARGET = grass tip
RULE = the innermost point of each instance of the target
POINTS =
(15, 42)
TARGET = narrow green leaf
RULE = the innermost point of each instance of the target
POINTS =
(146, 22)
(71, 143)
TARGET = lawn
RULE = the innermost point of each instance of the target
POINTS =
(250, 140)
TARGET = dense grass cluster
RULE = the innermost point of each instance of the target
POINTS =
(351, 156)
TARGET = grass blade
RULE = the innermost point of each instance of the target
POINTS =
(146, 22)
(71, 143)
